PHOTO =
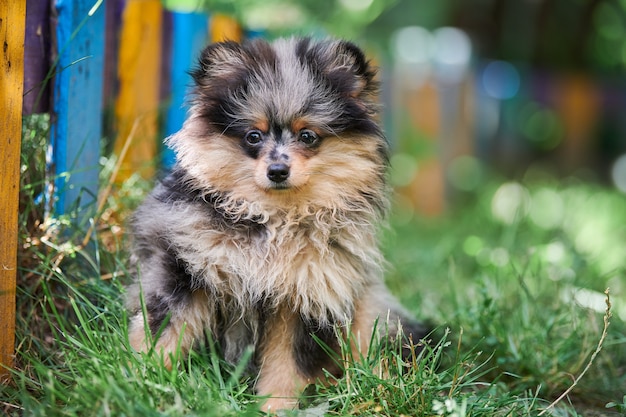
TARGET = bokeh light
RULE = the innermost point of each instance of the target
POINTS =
(541, 126)
(499, 257)
(413, 45)
(618, 173)
(500, 80)
(555, 252)
(356, 5)
(403, 169)
(465, 173)
(452, 47)
(585, 297)
(546, 208)
(473, 245)
(510, 202)
(452, 51)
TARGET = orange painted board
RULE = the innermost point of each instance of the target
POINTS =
(139, 67)
(12, 26)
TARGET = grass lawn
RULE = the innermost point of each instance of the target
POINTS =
(514, 282)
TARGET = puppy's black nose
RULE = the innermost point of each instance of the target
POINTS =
(278, 172)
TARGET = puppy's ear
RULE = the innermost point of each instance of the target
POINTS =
(349, 72)
(218, 60)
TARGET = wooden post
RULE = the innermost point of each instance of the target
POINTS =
(113, 21)
(427, 191)
(225, 28)
(578, 104)
(139, 76)
(77, 124)
(12, 23)
(37, 57)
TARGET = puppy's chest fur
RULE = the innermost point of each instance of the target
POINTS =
(316, 261)
(281, 261)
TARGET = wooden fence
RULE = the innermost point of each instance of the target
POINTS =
(79, 60)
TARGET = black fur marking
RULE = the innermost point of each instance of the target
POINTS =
(347, 86)
(214, 55)
(361, 65)
(260, 54)
(179, 283)
(302, 48)
(312, 58)
(341, 81)
(222, 82)
(274, 155)
(176, 187)
(264, 312)
(277, 131)
(309, 355)
(220, 103)
(251, 150)
(354, 119)
(158, 309)
(321, 63)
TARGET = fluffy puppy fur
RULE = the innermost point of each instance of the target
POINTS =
(265, 233)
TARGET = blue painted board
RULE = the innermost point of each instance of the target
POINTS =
(189, 36)
(77, 100)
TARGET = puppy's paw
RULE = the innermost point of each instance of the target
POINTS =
(274, 405)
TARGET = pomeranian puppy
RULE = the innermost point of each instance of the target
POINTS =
(265, 232)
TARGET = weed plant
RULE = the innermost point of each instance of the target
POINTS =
(517, 299)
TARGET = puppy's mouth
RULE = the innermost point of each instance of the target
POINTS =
(279, 186)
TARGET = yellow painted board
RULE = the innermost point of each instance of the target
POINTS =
(12, 24)
(139, 68)
(225, 28)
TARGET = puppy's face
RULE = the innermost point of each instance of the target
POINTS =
(282, 122)
(278, 156)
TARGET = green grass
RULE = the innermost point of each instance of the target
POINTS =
(516, 291)
(526, 292)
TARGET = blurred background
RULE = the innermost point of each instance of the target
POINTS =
(516, 88)
(472, 89)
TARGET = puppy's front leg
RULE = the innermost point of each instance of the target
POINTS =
(279, 376)
(188, 319)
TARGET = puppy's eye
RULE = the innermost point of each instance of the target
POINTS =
(308, 137)
(254, 137)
